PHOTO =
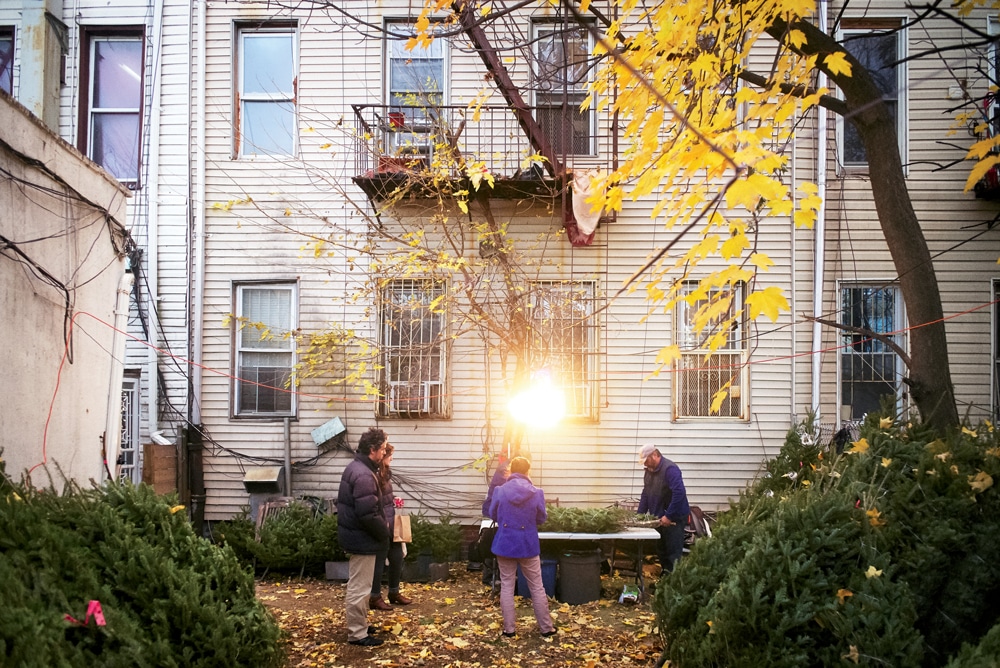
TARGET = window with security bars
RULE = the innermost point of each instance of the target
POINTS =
(869, 368)
(7, 59)
(701, 375)
(565, 337)
(563, 72)
(265, 350)
(414, 349)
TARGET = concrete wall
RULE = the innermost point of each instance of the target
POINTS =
(61, 265)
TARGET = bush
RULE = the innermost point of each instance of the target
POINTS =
(888, 554)
(442, 540)
(586, 520)
(297, 538)
(169, 597)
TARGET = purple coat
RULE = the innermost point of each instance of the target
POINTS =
(518, 507)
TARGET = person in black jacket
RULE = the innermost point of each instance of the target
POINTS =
(362, 531)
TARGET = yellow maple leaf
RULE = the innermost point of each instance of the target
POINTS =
(300, 591)
(872, 572)
(837, 63)
(843, 595)
(969, 432)
(853, 655)
(980, 482)
(859, 447)
(770, 301)
(668, 354)
(886, 462)
(875, 517)
(458, 642)
(176, 509)
(761, 261)
(885, 423)
(979, 170)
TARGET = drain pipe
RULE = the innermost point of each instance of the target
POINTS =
(819, 240)
(113, 415)
(288, 456)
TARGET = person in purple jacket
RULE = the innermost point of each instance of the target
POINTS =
(663, 495)
(518, 507)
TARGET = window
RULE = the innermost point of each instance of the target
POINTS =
(415, 81)
(702, 375)
(7, 59)
(265, 349)
(111, 115)
(563, 71)
(869, 368)
(879, 47)
(266, 89)
(414, 351)
(565, 342)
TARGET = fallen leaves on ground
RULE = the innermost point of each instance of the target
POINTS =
(457, 624)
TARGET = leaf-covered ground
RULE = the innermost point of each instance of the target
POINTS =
(457, 623)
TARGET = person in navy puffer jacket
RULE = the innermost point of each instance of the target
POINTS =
(518, 507)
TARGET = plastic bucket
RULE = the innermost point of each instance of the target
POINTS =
(548, 579)
(580, 577)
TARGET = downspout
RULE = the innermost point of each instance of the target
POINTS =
(192, 449)
(113, 416)
(819, 240)
(288, 457)
(152, 231)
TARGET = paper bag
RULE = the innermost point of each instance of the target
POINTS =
(401, 529)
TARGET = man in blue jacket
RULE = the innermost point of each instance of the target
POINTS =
(663, 495)
(362, 531)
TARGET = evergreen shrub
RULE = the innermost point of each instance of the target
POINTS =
(297, 538)
(442, 540)
(169, 597)
(886, 554)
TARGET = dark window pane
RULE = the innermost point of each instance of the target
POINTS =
(7, 61)
(115, 144)
(878, 54)
(117, 74)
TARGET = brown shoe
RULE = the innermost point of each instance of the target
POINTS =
(378, 603)
(399, 599)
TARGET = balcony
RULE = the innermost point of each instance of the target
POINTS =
(399, 146)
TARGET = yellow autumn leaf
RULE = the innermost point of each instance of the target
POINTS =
(837, 63)
(853, 655)
(980, 482)
(761, 261)
(325, 146)
(885, 423)
(458, 642)
(176, 509)
(875, 517)
(886, 462)
(717, 400)
(979, 170)
(668, 354)
(872, 572)
(770, 301)
(843, 595)
(969, 432)
(299, 591)
(859, 447)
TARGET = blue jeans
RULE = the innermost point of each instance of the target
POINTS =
(670, 546)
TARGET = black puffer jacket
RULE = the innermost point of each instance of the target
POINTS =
(361, 524)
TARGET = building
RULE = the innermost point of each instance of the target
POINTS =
(270, 140)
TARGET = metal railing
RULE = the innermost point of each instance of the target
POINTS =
(400, 138)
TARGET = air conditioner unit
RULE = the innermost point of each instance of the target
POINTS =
(418, 397)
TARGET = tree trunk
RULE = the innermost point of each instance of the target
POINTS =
(929, 374)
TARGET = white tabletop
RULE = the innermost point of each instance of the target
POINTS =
(630, 533)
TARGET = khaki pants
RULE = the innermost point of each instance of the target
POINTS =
(361, 572)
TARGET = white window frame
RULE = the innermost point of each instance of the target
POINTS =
(855, 27)
(403, 317)
(848, 341)
(541, 29)
(409, 127)
(9, 32)
(90, 113)
(244, 148)
(259, 338)
(708, 372)
(558, 307)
